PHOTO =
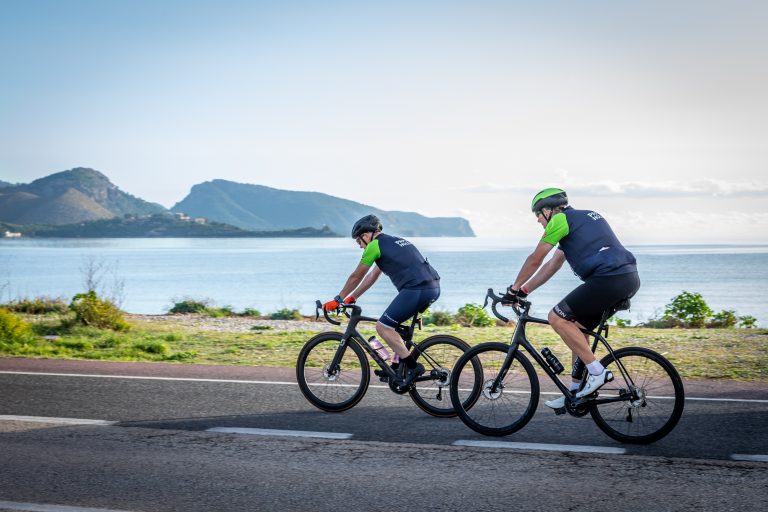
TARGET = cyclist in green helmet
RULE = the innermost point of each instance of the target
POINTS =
(608, 271)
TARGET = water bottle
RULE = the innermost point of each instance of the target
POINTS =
(552, 361)
(378, 347)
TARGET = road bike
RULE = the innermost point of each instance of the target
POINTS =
(641, 405)
(333, 371)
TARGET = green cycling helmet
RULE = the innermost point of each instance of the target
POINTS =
(549, 198)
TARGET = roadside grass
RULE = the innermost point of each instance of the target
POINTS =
(733, 354)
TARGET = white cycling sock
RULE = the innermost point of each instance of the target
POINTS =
(595, 368)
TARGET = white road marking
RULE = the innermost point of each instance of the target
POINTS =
(284, 383)
(144, 377)
(540, 446)
(67, 421)
(286, 433)
(40, 507)
(752, 458)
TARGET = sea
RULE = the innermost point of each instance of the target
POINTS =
(148, 275)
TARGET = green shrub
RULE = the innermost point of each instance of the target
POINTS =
(439, 318)
(286, 314)
(620, 322)
(689, 308)
(38, 306)
(666, 322)
(473, 315)
(12, 328)
(251, 312)
(151, 347)
(92, 311)
(188, 306)
(222, 312)
(261, 327)
(109, 342)
(747, 321)
(725, 318)
(173, 337)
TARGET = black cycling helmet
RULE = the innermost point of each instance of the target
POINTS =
(367, 224)
(549, 198)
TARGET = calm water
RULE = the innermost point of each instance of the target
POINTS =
(269, 274)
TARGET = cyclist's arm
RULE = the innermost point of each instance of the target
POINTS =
(546, 271)
(370, 278)
(532, 264)
(354, 279)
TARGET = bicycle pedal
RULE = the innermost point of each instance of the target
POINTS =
(560, 411)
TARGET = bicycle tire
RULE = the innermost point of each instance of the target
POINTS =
(332, 391)
(500, 412)
(647, 419)
(433, 396)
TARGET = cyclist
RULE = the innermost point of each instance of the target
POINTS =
(607, 269)
(417, 283)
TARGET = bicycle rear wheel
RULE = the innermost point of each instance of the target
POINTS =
(332, 389)
(658, 401)
(439, 354)
(496, 411)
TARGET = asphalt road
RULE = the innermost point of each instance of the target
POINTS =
(160, 456)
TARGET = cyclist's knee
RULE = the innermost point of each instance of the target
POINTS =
(385, 324)
(554, 320)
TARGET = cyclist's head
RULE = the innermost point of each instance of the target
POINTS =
(368, 224)
(549, 198)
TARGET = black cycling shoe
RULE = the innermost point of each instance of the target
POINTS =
(382, 375)
(412, 374)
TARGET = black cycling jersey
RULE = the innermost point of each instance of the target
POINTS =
(401, 261)
(589, 244)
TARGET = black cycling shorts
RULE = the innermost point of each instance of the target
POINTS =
(407, 303)
(587, 303)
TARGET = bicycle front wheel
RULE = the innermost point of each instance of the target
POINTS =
(502, 407)
(439, 354)
(652, 402)
(332, 389)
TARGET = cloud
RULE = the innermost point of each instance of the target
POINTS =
(639, 189)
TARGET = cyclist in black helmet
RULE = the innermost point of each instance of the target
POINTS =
(607, 269)
(417, 283)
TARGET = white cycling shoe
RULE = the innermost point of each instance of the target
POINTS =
(557, 403)
(595, 382)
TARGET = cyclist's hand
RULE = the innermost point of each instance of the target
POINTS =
(349, 300)
(331, 305)
(513, 296)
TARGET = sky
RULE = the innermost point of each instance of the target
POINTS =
(652, 113)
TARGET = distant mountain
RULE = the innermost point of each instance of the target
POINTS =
(255, 207)
(4, 184)
(77, 195)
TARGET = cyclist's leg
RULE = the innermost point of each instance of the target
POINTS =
(404, 306)
(407, 303)
(567, 323)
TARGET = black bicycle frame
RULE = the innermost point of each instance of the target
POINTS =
(519, 338)
(351, 333)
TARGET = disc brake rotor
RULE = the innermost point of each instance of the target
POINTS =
(442, 377)
(488, 390)
(328, 375)
(640, 401)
